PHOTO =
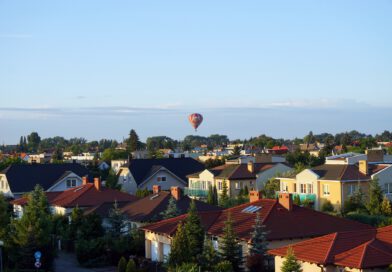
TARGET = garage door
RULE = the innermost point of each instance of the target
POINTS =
(154, 251)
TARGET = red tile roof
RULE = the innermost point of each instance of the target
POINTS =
(239, 171)
(83, 196)
(360, 249)
(281, 223)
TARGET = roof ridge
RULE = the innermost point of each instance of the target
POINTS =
(88, 185)
(378, 249)
(365, 246)
(330, 247)
(263, 220)
(343, 172)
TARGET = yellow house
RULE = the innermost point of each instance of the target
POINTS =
(237, 176)
(337, 182)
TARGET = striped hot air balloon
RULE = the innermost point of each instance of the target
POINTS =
(195, 119)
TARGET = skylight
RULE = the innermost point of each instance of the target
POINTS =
(251, 209)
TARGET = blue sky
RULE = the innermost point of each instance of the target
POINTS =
(95, 68)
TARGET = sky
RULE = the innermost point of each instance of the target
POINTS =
(96, 69)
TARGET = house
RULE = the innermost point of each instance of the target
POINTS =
(149, 209)
(357, 250)
(339, 178)
(103, 166)
(39, 158)
(84, 158)
(236, 175)
(144, 173)
(278, 150)
(18, 179)
(313, 149)
(285, 223)
(87, 196)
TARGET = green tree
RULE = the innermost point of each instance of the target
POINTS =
(171, 209)
(57, 155)
(195, 232)
(212, 197)
(258, 246)
(209, 257)
(131, 266)
(33, 141)
(309, 139)
(327, 206)
(32, 231)
(224, 266)
(290, 263)
(76, 219)
(271, 187)
(4, 217)
(236, 151)
(112, 181)
(117, 222)
(375, 197)
(224, 197)
(179, 252)
(297, 200)
(386, 208)
(122, 265)
(133, 142)
(142, 192)
(231, 249)
(91, 227)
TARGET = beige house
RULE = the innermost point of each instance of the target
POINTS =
(336, 182)
(236, 176)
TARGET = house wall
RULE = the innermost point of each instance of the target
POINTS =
(233, 191)
(4, 186)
(151, 237)
(205, 176)
(126, 180)
(61, 185)
(335, 193)
(171, 180)
(384, 176)
(264, 176)
(345, 187)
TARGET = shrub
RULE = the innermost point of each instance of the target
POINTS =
(89, 252)
(224, 266)
(374, 220)
(327, 206)
(131, 266)
(122, 265)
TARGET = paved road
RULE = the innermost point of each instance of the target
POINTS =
(66, 262)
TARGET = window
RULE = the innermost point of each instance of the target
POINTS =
(215, 242)
(220, 185)
(351, 189)
(388, 188)
(285, 187)
(306, 188)
(326, 189)
(159, 179)
(237, 186)
(71, 183)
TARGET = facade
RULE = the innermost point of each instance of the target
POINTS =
(237, 176)
(337, 182)
(351, 251)
(167, 173)
(19, 179)
(117, 164)
(285, 223)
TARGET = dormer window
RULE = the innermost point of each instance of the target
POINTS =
(71, 183)
(159, 179)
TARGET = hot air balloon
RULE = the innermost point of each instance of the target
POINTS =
(195, 119)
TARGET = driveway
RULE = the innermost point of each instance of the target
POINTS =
(66, 262)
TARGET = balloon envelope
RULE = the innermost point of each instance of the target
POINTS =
(195, 119)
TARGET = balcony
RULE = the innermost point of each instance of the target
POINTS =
(302, 197)
(191, 192)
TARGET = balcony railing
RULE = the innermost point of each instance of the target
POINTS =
(195, 192)
(302, 197)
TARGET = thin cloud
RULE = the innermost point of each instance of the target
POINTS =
(15, 36)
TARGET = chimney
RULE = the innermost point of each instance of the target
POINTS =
(254, 196)
(84, 180)
(375, 155)
(97, 184)
(176, 192)
(156, 189)
(364, 167)
(286, 200)
(251, 166)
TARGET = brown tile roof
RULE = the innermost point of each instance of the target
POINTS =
(281, 223)
(149, 208)
(345, 172)
(83, 196)
(360, 249)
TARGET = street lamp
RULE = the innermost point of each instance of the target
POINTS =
(1, 256)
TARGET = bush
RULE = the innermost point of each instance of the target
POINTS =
(374, 220)
(224, 266)
(185, 267)
(122, 265)
(131, 266)
(327, 206)
(90, 252)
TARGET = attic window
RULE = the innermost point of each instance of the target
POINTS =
(251, 209)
